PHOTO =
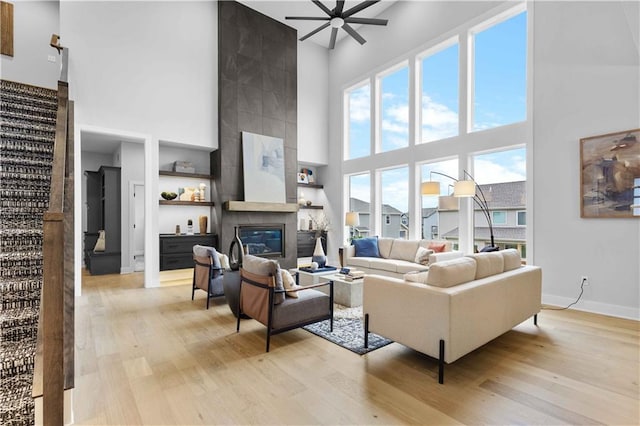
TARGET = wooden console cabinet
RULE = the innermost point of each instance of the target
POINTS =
(176, 251)
(307, 242)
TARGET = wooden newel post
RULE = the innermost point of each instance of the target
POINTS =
(53, 319)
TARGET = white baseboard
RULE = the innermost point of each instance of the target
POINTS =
(594, 307)
(126, 270)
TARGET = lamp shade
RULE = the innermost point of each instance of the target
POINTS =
(464, 188)
(352, 219)
(447, 202)
(431, 188)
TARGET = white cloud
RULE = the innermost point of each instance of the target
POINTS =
(438, 120)
(360, 105)
(487, 171)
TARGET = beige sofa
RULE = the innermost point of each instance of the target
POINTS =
(455, 307)
(398, 256)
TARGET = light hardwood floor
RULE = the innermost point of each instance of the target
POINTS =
(152, 356)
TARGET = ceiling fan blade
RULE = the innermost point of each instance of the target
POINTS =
(332, 42)
(358, 8)
(320, 28)
(339, 8)
(324, 8)
(367, 21)
(353, 33)
(308, 18)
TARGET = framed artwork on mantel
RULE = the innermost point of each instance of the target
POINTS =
(610, 175)
(263, 163)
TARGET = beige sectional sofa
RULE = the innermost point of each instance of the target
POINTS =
(455, 307)
(398, 256)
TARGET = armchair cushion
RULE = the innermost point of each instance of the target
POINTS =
(260, 266)
(311, 304)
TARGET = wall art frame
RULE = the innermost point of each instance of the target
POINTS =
(263, 168)
(610, 175)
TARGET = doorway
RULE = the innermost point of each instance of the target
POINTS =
(137, 202)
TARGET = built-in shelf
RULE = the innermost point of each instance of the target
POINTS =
(185, 175)
(252, 206)
(312, 207)
(310, 185)
(185, 203)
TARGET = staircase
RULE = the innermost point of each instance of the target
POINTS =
(27, 130)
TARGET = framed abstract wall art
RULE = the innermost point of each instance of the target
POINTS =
(610, 175)
(263, 163)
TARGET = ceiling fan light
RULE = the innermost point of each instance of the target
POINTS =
(337, 22)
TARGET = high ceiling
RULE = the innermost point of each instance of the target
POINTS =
(279, 9)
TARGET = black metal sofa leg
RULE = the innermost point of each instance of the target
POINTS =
(441, 363)
(535, 319)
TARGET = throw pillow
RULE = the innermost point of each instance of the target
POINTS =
(100, 244)
(437, 247)
(422, 256)
(366, 247)
(289, 284)
(261, 266)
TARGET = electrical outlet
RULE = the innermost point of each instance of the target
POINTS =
(51, 58)
(585, 280)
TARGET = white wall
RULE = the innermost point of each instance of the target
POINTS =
(33, 24)
(145, 67)
(313, 103)
(586, 83)
(131, 170)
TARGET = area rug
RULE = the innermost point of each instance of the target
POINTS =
(348, 331)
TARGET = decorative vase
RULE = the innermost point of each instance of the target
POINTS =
(235, 252)
(202, 221)
(318, 254)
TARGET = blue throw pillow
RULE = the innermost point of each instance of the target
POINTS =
(366, 247)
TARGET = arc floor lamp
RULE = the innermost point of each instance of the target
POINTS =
(462, 189)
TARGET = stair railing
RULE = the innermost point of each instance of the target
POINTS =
(56, 315)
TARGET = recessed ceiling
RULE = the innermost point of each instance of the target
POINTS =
(279, 9)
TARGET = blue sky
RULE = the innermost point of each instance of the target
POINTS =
(499, 98)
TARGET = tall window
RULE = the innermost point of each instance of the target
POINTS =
(499, 73)
(360, 201)
(395, 201)
(439, 101)
(439, 219)
(394, 110)
(502, 178)
(359, 107)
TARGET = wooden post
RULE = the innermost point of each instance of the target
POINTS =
(52, 317)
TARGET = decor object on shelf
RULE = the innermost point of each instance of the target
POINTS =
(309, 203)
(263, 168)
(301, 200)
(183, 167)
(177, 229)
(235, 251)
(202, 187)
(188, 194)
(320, 223)
(318, 254)
(339, 18)
(189, 227)
(168, 195)
(303, 178)
(352, 219)
(610, 175)
(202, 222)
(100, 244)
(464, 188)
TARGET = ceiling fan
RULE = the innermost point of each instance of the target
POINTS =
(340, 18)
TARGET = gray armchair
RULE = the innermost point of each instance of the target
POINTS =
(207, 272)
(262, 297)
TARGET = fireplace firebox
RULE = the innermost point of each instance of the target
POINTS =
(264, 240)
